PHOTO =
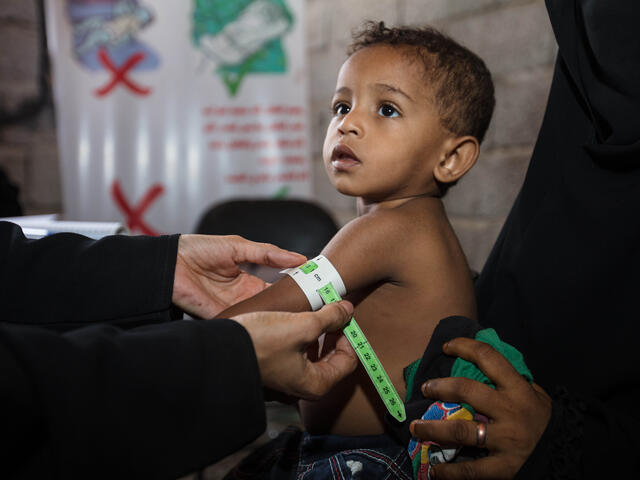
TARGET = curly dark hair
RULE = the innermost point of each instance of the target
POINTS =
(463, 89)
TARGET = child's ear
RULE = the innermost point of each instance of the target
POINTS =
(460, 155)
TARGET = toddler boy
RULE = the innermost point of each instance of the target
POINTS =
(410, 109)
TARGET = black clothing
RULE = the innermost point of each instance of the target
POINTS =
(156, 401)
(562, 281)
(433, 364)
(9, 204)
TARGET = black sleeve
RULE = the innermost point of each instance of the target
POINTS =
(561, 284)
(66, 280)
(157, 401)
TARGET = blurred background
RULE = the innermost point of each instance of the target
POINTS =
(514, 38)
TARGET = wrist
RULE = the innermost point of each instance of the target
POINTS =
(184, 294)
(558, 449)
(179, 272)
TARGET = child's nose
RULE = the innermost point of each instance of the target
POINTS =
(351, 124)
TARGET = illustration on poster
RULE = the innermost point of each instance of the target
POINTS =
(133, 213)
(172, 106)
(242, 36)
(104, 39)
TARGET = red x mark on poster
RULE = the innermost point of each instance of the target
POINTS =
(120, 74)
(133, 214)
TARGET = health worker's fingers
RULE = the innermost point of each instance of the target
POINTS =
(329, 318)
(313, 351)
(264, 254)
(281, 341)
(324, 374)
(488, 360)
(341, 343)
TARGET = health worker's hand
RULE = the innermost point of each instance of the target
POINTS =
(207, 276)
(282, 340)
(518, 414)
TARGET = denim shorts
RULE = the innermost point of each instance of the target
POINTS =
(296, 455)
(364, 457)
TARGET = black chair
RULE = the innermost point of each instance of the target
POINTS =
(295, 225)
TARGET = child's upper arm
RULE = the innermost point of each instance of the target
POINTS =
(366, 250)
(363, 252)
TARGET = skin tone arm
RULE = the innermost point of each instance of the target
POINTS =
(375, 233)
(207, 278)
(519, 414)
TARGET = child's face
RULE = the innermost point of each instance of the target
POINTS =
(385, 137)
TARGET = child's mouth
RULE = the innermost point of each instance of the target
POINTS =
(343, 158)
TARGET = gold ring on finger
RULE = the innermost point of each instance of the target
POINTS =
(481, 434)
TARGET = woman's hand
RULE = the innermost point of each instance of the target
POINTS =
(518, 414)
(208, 279)
(282, 340)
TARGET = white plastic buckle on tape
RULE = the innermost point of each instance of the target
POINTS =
(313, 275)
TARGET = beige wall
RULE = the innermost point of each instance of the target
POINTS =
(513, 36)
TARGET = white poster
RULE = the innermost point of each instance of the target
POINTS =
(165, 108)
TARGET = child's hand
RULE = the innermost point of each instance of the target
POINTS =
(207, 277)
(518, 413)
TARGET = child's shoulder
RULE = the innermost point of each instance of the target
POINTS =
(390, 237)
(394, 232)
(421, 216)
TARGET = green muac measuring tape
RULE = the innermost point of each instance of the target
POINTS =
(369, 360)
(316, 278)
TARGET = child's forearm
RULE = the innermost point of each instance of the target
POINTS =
(282, 296)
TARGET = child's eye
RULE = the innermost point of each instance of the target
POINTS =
(341, 109)
(388, 111)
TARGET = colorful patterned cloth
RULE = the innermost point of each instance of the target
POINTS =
(424, 454)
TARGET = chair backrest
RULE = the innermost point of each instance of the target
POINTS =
(296, 225)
